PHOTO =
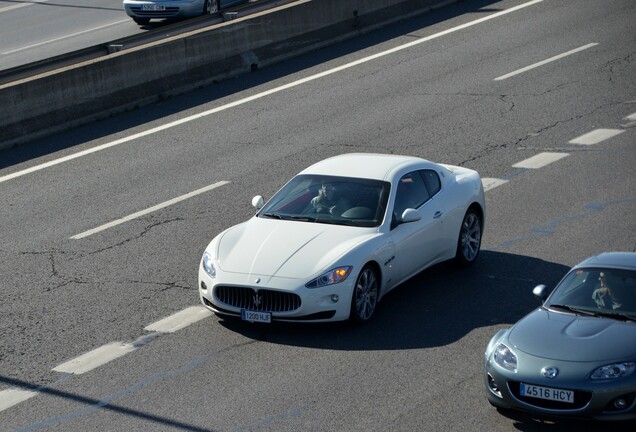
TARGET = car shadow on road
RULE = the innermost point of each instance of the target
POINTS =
(438, 307)
(528, 423)
(435, 308)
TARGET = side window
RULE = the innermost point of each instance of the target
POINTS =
(431, 179)
(411, 193)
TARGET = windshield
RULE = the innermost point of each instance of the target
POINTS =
(328, 199)
(601, 291)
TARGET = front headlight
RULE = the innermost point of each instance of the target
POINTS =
(613, 371)
(505, 358)
(333, 276)
(208, 264)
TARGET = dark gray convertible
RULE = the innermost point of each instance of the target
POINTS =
(575, 356)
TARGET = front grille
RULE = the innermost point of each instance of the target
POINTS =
(581, 399)
(262, 300)
(169, 11)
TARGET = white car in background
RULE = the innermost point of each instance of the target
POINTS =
(142, 11)
(340, 235)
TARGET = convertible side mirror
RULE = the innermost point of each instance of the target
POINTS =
(258, 202)
(541, 292)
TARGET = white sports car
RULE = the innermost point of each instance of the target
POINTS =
(340, 235)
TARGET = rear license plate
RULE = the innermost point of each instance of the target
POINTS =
(547, 393)
(253, 316)
(151, 7)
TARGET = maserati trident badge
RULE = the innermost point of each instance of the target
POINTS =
(257, 300)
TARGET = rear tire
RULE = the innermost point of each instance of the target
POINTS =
(365, 296)
(469, 241)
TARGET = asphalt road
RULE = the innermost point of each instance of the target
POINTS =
(513, 93)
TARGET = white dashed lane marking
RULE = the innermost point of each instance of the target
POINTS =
(541, 63)
(491, 183)
(540, 160)
(11, 397)
(596, 136)
(631, 117)
(95, 358)
(147, 211)
(179, 320)
(104, 354)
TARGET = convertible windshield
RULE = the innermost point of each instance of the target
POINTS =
(603, 292)
(328, 199)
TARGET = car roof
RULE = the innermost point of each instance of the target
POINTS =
(366, 165)
(621, 260)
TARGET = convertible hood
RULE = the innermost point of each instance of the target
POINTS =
(289, 249)
(568, 337)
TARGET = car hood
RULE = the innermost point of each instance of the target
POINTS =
(289, 249)
(567, 337)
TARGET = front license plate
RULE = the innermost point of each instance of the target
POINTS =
(253, 316)
(547, 393)
(147, 7)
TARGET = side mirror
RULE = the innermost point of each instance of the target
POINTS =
(258, 202)
(410, 215)
(541, 292)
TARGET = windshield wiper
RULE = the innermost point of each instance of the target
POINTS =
(573, 309)
(289, 217)
(597, 313)
(303, 218)
(616, 315)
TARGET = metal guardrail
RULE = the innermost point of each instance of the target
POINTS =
(173, 29)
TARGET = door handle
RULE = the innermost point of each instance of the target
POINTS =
(437, 215)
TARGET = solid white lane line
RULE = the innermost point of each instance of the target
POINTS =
(95, 358)
(148, 210)
(265, 93)
(541, 63)
(12, 396)
(596, 136)
(491, 183)
(180, 320)
(64, 37)
(540, 160)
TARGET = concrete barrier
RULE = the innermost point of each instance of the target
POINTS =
(38, 106)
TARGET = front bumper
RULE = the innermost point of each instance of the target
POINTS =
(172, 9)
(591, 399)
(330, 303)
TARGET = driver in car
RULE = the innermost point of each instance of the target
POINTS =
(329, 200)
(603, 295)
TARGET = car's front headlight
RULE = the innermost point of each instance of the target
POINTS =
(505, 358)
(208, 264)
(613, 371)
(331, 277)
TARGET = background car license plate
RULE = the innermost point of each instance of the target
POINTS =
(547, 393)
(254, 316)
(147, 7)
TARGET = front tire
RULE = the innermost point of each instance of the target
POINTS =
(469, 241)
(141, 21)
(365, 296)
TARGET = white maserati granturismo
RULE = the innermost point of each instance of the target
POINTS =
(340, 235)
